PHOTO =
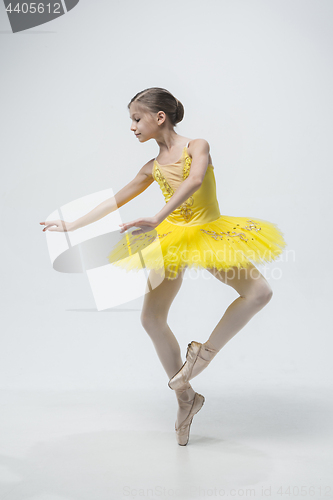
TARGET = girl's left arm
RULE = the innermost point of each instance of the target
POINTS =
(199, 164)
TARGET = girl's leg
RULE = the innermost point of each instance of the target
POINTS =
(154, 315)
(254, 293)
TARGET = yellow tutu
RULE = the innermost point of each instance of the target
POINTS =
(196, 235)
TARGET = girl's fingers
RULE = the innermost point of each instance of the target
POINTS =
(136, 223)
(47, 227)
(48, 224)
(126, 225)
(55, 227)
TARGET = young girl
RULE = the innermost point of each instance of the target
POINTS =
(189, 231)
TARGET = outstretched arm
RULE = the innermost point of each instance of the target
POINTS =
(140, 182)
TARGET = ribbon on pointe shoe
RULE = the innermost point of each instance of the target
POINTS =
(202, 363)
(193, 365)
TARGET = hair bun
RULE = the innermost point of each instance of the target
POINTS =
(179, 111)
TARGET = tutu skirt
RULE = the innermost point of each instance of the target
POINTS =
(221, 244)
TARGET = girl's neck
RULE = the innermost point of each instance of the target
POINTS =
(169, 143)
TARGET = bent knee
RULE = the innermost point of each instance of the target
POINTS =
(145, 321)
(262, 294)
(151, 321)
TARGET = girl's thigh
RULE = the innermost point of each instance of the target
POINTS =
(245, 281)
(160, 293)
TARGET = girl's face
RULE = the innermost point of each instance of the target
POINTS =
(144, 123)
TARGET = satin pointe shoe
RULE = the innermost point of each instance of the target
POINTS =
(183, 431)
(193, 365)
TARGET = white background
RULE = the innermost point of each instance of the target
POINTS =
(255, 78)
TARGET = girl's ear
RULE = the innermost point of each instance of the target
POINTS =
(161, 117)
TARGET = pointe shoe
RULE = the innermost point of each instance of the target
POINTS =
(193, 365)
(183, 431)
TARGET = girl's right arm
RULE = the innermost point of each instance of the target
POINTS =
(141, 181)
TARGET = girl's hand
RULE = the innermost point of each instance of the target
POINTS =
(145, 223)
(60, 226)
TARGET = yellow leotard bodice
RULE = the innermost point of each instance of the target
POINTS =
(202, 206)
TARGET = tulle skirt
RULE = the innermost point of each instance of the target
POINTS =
(221, 244)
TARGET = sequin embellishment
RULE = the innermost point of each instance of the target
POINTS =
(252, 226)
(242, 236)
(216, 236)
(187, 166)
(163, 182)
(184, 209)
(145, 237)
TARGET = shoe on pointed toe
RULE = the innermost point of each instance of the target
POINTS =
(193, 365)
(183, 431)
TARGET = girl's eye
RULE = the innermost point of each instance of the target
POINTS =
(137, 120)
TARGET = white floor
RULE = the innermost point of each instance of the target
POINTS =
(86, 413)
(250, 440)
